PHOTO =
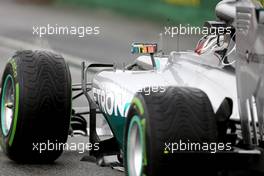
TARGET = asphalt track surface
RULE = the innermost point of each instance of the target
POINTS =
(112, 45)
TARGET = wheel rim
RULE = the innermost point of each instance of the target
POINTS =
(135, 147)
(7, 105)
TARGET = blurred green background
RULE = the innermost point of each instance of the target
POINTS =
(173, 11)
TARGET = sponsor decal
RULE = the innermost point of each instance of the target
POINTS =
(112, 103)
(115, 101)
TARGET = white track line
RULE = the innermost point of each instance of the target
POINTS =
(21, 45)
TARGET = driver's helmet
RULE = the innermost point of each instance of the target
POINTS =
(210, 43)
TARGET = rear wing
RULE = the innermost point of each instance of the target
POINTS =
(226, 9)
(249, 24)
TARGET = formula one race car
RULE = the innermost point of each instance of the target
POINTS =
(203, 108)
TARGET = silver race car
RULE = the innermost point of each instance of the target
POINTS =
(201, 108)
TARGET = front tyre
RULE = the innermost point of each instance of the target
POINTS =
(35, 106)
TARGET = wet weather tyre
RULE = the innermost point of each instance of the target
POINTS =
(35, 106)
(170, 116)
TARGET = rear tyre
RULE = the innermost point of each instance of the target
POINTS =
(35, 106)
(177, 114)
